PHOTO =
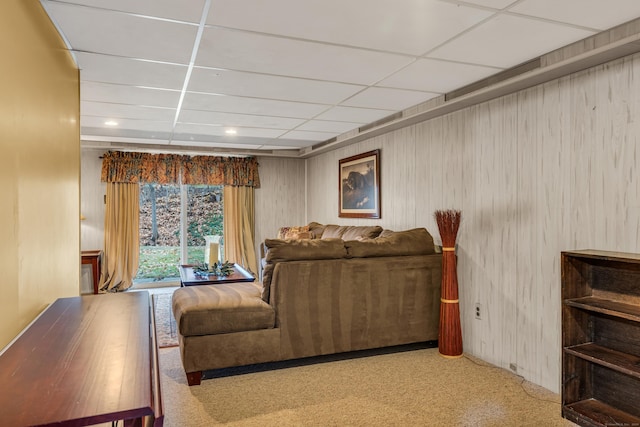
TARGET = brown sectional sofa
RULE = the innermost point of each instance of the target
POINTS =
(317, 296)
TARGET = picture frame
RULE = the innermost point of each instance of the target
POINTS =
(359, 186)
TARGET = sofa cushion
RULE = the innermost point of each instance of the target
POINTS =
(351, 232)
(221, 309)
(293, 250)
(316, 229)
(386, 233)
(417, 241)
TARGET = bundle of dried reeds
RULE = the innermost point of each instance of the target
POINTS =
(450, 333)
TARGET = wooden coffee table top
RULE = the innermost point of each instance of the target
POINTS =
(188, 278)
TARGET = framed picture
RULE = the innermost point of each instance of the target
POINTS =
(359, 186)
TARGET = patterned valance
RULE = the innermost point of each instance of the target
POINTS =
(175, 169)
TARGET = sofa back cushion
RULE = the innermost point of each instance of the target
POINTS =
(294, 250)
(417, 241)
(351, 232)
(316, 229)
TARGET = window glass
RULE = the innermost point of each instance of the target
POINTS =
(162, 219)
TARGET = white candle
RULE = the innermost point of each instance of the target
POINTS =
(213, 254)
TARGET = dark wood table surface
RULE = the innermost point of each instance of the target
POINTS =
(188, 278)
(83, 361)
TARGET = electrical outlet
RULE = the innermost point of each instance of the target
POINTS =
(478, 311)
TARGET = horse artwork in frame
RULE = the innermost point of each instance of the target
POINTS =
(359, 186)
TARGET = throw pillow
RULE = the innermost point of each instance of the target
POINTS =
(294, 233)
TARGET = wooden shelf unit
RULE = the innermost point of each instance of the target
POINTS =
(601, 338)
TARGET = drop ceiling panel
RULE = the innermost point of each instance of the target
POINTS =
(389, 99)
(212, 144)
(236, 104)
(327, 126)
(496, 4)
(230, 119)
(125, 124)
(437, 76)
(128, 71)
(117, 33)
(120, 111)
(189, 11)
(244, 51)
(587, 13)
(102, 92)
(403, 26)
(528, 38)
(354, 114)
(308, 136)
(213, 130)
(270, 87)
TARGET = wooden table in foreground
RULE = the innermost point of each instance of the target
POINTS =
(188, 278)
(85, 360)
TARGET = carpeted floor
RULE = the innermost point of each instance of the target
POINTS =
(410, 388)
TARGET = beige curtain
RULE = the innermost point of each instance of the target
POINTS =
(121, 240)
(239, 226)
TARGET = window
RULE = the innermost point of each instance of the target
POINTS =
(174, 221)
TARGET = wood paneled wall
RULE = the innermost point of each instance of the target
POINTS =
(280, 200)
(552, 168)
(92, 203)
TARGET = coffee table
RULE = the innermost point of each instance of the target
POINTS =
(188, 278)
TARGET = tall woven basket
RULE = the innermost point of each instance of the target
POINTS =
(450, 332)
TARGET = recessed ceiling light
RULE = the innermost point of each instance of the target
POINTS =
(111, 123)
(231, 131)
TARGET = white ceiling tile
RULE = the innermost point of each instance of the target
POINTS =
(118, 111)
(404, 26)
(266, 86)
(528, 38)
(116, 69)
(236, 104)
(239, 50)
(596, 14)
(232, 119)
(354, 114)
(215, 144)
(496, 4)
(119, 94)
(131, 137)
(390, 99)
(437, 76)
(217, 130)
(189, 11)
(116, 33)
(126, 124)
(307, 136)
(327, 126)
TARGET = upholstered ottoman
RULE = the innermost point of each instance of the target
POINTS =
(222, 310)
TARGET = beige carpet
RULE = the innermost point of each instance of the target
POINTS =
(411, 388)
